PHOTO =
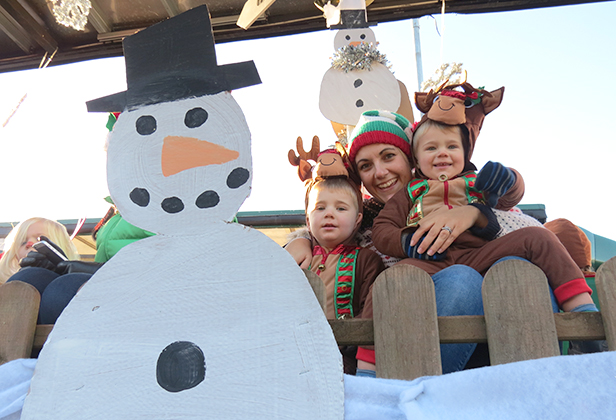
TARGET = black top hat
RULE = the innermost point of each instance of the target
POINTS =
(352, 19)
(174, 59)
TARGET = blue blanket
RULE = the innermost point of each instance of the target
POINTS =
(555, 388)
(15, 379)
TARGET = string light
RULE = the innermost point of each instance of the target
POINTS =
(72, 13)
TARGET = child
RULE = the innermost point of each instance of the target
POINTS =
(333, 216)
(444, 177)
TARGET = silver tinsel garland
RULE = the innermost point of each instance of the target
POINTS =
(359, 57)
(72, 13)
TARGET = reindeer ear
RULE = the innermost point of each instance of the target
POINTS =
(423, 101)
(305, 170)
(490, 103)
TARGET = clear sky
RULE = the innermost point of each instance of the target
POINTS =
(554, 125)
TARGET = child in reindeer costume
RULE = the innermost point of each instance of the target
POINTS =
(333, 217)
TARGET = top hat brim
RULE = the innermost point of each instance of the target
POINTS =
(172, 88)
(111, 103)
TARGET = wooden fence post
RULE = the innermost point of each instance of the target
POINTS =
(406, 338)
(317, 287)
(606, 291)
(518, 312)
(19, 304)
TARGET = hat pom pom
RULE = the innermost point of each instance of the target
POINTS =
(411, 129)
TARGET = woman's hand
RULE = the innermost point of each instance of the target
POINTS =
(37, 259)
(44, 254)
(457, 219)
(300, 250)
(86, 267)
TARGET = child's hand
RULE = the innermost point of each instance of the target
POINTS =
(300, 250)
(494, 180)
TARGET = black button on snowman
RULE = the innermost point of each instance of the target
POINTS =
(208, 318)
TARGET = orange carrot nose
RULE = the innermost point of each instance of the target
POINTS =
(355, 43)
(181, 153)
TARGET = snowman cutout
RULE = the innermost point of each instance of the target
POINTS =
(359, 79)
(207, 319)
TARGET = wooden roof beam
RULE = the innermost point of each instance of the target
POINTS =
(15, 31)
(171, 6)
(97, 18)
(26, 28)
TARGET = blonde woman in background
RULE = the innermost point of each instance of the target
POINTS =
(56, 288)
(19, 243)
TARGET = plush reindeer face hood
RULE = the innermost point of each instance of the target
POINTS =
(459, 104)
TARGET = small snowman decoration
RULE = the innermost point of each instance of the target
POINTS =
(207, 319)
(359, 79)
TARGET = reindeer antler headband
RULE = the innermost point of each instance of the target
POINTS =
(329, 163)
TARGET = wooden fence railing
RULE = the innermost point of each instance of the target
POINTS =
(518, 322)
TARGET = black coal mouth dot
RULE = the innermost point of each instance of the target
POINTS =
(172, 205)
(207, 199)
(140, 196)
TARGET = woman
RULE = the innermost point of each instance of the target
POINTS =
(381, 159)
(56, 289)
(19, 241)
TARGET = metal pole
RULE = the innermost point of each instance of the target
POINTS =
(418, 54)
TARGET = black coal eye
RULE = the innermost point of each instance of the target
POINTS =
(238, 177)
(348, 37)
(363, 36)
(145, 125)
(195, 117)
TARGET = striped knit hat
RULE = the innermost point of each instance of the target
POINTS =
(380, 127)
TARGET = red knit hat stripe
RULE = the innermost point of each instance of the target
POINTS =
(376, 137)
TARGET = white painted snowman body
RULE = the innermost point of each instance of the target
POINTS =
(238, 299)
(344, 96)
